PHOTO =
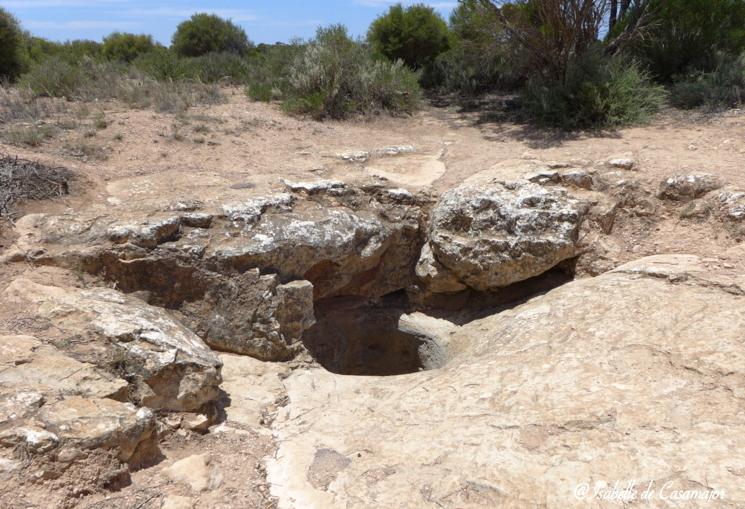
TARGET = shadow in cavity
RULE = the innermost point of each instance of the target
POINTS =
(351, 338)
(463, 307)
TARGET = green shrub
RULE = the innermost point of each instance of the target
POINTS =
(36, 50)
(724, 87)
(416, 35)
(218, 67)
(11, 39)
(269, 70)
(207, 33)
(684, 36)
(53, 77)
(123, 47)
(335, 76)
(262, 92)
(479, 59)
(162, 64)
(598, 92)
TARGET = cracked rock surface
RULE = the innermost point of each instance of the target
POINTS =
(635, 374)
(488, 237)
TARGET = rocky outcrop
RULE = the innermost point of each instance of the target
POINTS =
(244, 276)
(54, 408)
(254, 315)
(685, 188)
(729, 209)
(488, 237)
(634, 375)
(168, 367)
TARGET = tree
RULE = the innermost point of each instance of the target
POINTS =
(551, 33)
(416, 35)
(11, 40)
(125, 47)
(683, 36)
(207, 33)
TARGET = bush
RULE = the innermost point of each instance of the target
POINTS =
(685, 36)
(207, 33)
(163, 64)
(598, 92)
(53, 77)
(416, 35)
(269, 72)
(724, 87)
(11, 39)
(479, 60)
(124, 47)
(335, 76)
(37, 49)
(218, 67)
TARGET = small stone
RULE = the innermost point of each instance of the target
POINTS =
(195, 472)
(198, 423)
(172, 421)
(625, 163)
(177, 502)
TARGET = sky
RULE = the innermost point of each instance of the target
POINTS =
(264, 21)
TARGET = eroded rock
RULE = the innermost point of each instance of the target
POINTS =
(688, 187)
(341, 240)
(168, 366)
(488, 237)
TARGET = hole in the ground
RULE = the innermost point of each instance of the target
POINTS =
(354, 339)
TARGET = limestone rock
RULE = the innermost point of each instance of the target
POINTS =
(26, 361)
(358, 241)
(254, 315)
(250, 211)
(91, 423)
(171, 368)
(488, 237)
(195, 472)
(732, 205)
(335, 187)
(688, 187)
(589, 383)
(436, 277)
(625, 163)
(265, 382)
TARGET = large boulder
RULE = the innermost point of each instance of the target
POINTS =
(487, 237)
(167, 365)
(635, 375)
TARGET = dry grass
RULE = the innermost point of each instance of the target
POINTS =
(30, 136)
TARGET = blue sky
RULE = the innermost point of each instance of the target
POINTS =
(264, 21)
